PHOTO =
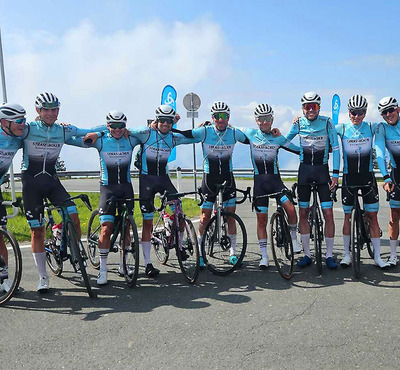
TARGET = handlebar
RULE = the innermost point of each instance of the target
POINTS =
(167, 197)
(334, 191)
(286, 192)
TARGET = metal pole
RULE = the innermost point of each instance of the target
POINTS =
(3, 84)
(194, 148)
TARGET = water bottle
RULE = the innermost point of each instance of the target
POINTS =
(167, 225)
(57, 229)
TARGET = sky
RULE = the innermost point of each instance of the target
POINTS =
(98, 56)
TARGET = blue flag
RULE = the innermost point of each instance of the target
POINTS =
(335, 109)
(168, 96)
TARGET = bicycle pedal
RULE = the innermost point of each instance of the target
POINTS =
(65, 257)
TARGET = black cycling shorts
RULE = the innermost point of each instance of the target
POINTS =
(3, 212)
(267, 184)
(208, 188)
(119, 191)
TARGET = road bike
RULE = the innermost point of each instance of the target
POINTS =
(124, 238)
(281, 240)
(70, 247)
(177, 232)
(224, 235)
(10, 261)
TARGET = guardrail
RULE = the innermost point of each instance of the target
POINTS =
(246, 172)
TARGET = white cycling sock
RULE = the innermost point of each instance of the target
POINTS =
(121, 259)
(40, 262)
(103, 259)
(393, 248)
(293, 232)
(305, 241)
(263, 247)
(376, 242)
(329, 247)
(346, 244)
(232, 250)
(199, 237)
(146, 246)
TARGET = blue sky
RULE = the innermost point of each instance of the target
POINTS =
(103, 55)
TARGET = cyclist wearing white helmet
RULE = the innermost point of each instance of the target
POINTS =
(156, 143)
(388, 137)
(218, 141)
(42, 144)
(357, 143)
(12, 119)
(317, 133)
(115, 152)
(264, 149)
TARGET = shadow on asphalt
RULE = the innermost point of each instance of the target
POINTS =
(170, 289)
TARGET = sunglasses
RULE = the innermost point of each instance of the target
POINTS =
(19, 121)
(218, 116)
(53, 105)
(267, 118)
(386, 111)
(357, 112)
(311, 106)
(119, 125)
(168, 120)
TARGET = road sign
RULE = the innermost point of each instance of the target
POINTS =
(191, 102)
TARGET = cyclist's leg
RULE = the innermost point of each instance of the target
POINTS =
(147, 190)
(229, 201)
(347, 205)
(262, 218)
(394, 214)
(33, 198)
(3, 249)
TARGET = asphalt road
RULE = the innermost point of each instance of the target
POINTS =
(250, 319)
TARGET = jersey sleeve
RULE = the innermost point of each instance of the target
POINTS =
(141, 134)
(380, 148)
(333, 139)
(78, 141)
(339, 130)
(241, 137)
(180, 139)
(294, 130)
(289, 146)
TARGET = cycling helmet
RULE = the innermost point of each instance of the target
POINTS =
(115, 116)
(165, 110)
(220, 107)
(11, 111)
(387, 102)
(357, 102)
(47, 101)
(263, 110)
(310, 97)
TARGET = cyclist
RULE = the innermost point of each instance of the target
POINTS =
(115, 153)
(264, 148)
(317, 133)
(12, 119)
(42, 143)
(357, 143)
(388, 135)
(218, 141)
(155, 147)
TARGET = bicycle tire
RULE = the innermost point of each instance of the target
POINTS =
(159, 241)
(317, 240)
(216, 253)
(281, 245)
(187, 249)
(78, 256)
(14, 267)
(131, 252)
(356, 243)
(53, 256)
(92, 239)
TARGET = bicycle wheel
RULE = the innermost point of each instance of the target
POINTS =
(187, 249)
(78, 257)
(281, 245)
(11, 264)
(356, 242)
(53, 256)
(159, 241)
(92, 240)
(131, 251)
(218, 245)
(317, 229)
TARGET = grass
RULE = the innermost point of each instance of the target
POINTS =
(20, 228)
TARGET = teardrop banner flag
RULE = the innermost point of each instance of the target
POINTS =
(335, 109)
(168, 96)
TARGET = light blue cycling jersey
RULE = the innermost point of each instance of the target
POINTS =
(9, 145)
(387, 136)
(115, 157)
(315, 137)
(156, 148)
(42, 145)
(218, 147)
(357, 145)
(264, 149)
